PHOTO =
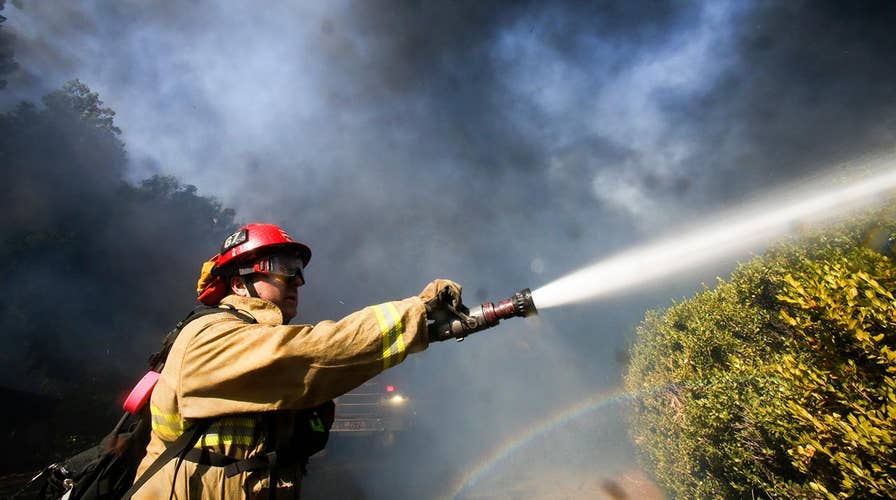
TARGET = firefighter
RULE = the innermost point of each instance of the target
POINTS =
(264, 388)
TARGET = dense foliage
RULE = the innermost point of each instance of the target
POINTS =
(781, 381)
(97, 268)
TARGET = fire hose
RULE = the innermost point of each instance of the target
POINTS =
(457, 323)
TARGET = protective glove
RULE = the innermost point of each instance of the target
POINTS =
(443, 307)
(441, 293)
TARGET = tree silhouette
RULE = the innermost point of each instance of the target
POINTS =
(97, 268)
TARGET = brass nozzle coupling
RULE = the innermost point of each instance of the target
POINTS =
(519, 305)
(488, 314)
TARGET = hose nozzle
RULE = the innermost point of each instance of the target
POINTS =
(484, 316)
(520, 304)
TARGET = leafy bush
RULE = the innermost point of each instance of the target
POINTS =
(781, 381)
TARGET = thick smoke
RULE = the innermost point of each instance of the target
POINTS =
(96, 267)
(7, 61)
(500, 144)
(809, 86)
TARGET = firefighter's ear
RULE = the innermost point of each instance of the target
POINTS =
(238, 286)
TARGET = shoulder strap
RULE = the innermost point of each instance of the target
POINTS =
(177, 449)
(189, 438)
(203, 310)
(157, 360)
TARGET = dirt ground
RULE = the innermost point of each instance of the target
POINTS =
(633, 485)
(538, 474)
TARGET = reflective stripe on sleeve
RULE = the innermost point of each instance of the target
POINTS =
(392, 330)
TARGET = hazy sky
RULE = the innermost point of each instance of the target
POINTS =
(501, 144)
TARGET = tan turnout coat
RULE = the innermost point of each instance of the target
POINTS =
(221, 366)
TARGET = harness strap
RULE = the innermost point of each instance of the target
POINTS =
(249, 280)
(271, 441)
(157, 360)
(188, 439)
(176, 449)
(232, 466)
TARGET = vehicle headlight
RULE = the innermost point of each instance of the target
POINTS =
(397, 399)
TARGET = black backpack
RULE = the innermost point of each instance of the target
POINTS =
(107, 470)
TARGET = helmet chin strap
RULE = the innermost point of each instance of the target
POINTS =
(250, 285)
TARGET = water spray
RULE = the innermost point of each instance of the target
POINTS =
(486, 315)
(729, 234)
(732, 233)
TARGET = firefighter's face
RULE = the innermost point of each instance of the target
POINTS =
(281, 291)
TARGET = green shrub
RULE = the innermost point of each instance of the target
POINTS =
(781, 381)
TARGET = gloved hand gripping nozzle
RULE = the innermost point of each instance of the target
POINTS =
(451, 322)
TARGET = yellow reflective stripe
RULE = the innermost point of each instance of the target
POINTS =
(242, 423)
(398, 347)
(167, 433)
(229, 431)
(385, 328)
(219, 439)
(166, 417)
(168, 425)
(176, 429)
(392, 330)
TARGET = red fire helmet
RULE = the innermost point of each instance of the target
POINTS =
(245, 243)
(251, 238)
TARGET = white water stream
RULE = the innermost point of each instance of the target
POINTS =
(736, 232)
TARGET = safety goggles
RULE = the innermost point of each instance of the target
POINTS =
(288, 267)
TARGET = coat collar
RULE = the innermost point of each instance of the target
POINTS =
(266, 313)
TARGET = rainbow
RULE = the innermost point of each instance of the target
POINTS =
(548, 424)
